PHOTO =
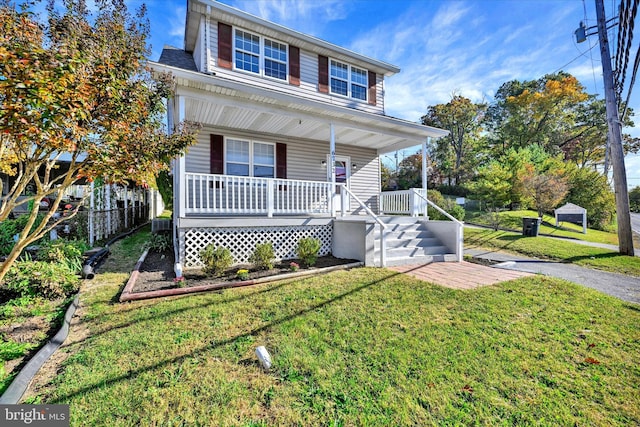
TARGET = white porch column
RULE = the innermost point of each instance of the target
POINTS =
(332, 161)
(424, 174)
(180, 189)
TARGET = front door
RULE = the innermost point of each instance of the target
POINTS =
(343, 176)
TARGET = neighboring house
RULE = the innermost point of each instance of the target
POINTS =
(293, 130)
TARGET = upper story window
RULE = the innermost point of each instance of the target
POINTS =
(260, 55)
(347, 80)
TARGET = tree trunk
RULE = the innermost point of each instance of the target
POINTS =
(11, 258)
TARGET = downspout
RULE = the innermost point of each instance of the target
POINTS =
(424, 174)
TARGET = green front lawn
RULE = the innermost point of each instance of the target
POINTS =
(360, 347)
(553, 249)
(513, 220)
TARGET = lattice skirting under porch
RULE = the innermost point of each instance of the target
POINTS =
(242, 241)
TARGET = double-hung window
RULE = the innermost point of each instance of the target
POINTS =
(260, 55)
(250, 158)
(347, 80)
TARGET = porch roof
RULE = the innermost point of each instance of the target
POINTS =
(233, 105)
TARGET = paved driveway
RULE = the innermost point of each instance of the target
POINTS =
(624, 287)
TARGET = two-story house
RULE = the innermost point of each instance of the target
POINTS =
(293, 130)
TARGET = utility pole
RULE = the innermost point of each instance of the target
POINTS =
(625, 234)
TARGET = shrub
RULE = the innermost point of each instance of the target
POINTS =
(448, 205)
(160, 242)
(216, 259)
(263, 256)
(11, 227)
(39, 278)
(308, 249)
(68, 252)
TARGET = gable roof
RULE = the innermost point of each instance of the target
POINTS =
(570, 208)
(177, 58)
(230, 15)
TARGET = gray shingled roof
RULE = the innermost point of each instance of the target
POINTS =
(178, 58)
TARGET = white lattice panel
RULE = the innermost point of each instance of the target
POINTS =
(242, 241)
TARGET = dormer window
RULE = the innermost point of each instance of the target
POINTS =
(260, 55)
(347, 80)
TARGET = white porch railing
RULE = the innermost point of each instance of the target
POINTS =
(240, 195)
(411, 202)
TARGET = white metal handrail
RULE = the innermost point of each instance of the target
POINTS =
(459, 228)
(383, 243)
(439, 209)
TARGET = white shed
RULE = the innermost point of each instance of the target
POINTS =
(572, 213)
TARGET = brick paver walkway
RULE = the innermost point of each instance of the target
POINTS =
(459, 275)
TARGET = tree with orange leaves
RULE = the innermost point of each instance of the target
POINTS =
(76, 87)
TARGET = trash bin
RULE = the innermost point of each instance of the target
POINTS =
(530, 226)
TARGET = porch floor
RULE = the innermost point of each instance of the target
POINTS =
(459, 275)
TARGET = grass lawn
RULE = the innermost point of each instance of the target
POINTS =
(513, 220)
(361, 347)
(554, 249)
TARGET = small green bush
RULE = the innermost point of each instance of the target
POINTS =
(39, 278)
(448, 205)
(263, 256)
(216, 259)
(308, 248)
(11, 227)
(63, 251)
(160, 242)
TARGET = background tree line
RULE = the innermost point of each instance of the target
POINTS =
(538, 144)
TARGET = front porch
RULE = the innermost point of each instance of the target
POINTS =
(241, 212)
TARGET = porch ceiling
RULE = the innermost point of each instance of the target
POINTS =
(222, 103)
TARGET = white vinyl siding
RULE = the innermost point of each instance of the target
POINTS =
(308, 88)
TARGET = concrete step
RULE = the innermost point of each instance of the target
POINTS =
(391, 261)
(404, 227)
(414, 251)
(407, 234)
(401, 219)
(400, 242)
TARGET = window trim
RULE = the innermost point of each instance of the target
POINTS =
(252, 163)
(349, 81)
(261, 55)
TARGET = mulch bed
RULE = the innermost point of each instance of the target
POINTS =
(156, 272)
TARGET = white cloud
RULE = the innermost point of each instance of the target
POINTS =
(176, 22)
(309, 17)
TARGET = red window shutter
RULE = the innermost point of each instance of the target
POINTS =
(372, 88)
(217, 154)
(225, 46)
(281, 160)
(323, 74)
(294, 65)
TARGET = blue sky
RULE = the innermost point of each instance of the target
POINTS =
(443, 47)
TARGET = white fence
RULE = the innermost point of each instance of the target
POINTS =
(404, 202)
(234, 195)
(109, 210)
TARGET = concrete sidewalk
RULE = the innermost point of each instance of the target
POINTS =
(624, 287)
